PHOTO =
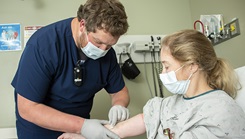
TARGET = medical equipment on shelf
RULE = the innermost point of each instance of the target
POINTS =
(215, 30)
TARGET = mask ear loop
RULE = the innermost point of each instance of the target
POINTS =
(191, 74)
(179, 68)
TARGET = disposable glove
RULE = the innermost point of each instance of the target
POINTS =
(94, 129)
(71, 136)
(118, 113)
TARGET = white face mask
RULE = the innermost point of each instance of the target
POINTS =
(170, 81)
(93, 51)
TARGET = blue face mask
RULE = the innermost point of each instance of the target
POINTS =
(170, 81)
(93, 51)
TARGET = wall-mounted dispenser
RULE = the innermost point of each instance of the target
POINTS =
(142, 48)
(216, 30)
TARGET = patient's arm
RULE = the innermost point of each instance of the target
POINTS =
(132, 127)
(128, 128)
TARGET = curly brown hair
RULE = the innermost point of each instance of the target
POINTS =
(108, 15)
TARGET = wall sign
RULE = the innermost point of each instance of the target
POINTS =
(10, 37)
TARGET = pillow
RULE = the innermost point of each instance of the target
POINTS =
(240, 99)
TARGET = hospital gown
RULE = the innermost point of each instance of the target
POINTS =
(212, 115)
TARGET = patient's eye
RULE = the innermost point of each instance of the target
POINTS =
(164, 68)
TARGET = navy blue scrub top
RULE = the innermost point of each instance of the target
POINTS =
(45, 75)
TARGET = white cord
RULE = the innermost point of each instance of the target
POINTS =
(147, 76)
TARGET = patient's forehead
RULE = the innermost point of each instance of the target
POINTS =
(166, 54)
(167, 58)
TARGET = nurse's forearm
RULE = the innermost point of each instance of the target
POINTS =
(48, 117)
(132, 127)
(121, 97)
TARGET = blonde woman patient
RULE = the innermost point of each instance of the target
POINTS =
(202, 105)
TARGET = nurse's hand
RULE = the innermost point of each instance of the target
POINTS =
(70, 136)
(117, 113)
(94, 129)
(79, 136)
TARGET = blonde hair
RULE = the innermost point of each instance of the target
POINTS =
(191, 46)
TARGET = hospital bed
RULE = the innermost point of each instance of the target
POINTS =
(10, 133)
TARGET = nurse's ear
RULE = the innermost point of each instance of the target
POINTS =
(82, 25)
